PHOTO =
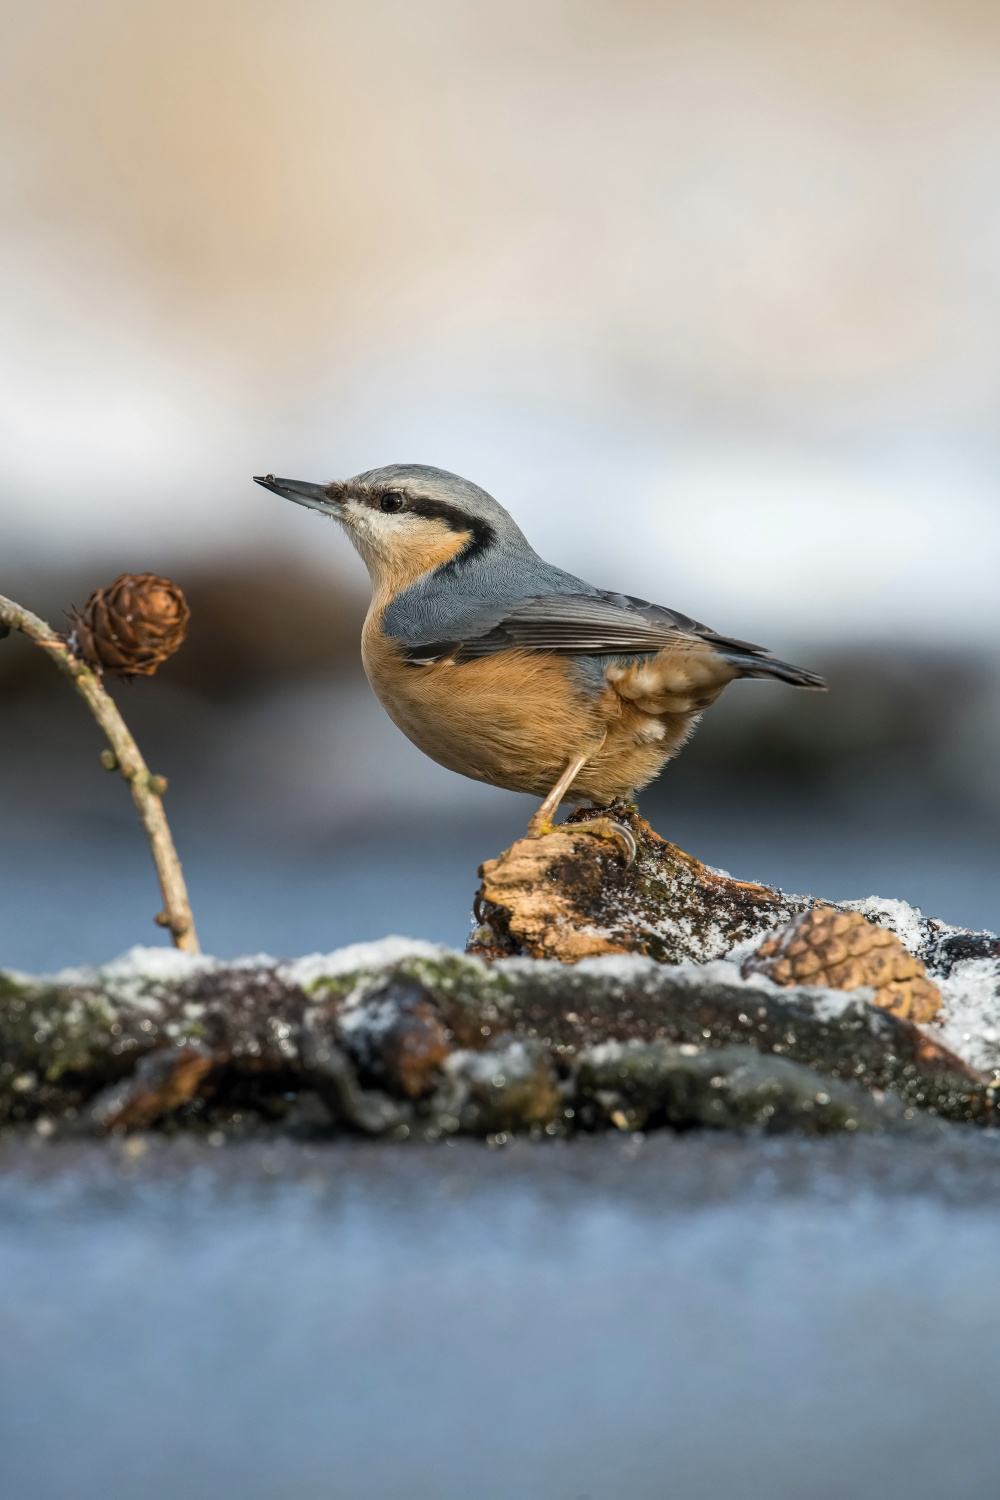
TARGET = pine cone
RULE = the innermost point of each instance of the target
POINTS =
(132, 626)
(840, 950)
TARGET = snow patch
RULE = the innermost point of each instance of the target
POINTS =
(154, 965)
(725, 971)
(830, 1005)
(359, 958)
(513, 1063)
(604, 1053)
(625, 967)
(913, 929)
(970, 1025)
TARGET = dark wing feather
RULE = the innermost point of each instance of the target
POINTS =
(578, 624)
(602, 624)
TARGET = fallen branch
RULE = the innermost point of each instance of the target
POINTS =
(426, 1043)
(124, 756)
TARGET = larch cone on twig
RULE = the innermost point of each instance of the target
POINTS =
(132, 626)
(128, 628)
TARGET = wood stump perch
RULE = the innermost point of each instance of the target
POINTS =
(569, 895)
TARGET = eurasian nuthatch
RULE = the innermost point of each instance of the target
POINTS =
(508, 670)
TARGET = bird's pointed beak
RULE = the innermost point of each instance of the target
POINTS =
(321, 497)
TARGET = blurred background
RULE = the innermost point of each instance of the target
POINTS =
(707, 294)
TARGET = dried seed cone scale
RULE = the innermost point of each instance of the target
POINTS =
(840, 950)
(131, 626)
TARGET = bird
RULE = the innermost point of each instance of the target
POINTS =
(509, 670)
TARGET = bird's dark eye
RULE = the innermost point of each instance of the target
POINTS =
(391, 501)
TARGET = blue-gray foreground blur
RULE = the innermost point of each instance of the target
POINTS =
(618, 1320)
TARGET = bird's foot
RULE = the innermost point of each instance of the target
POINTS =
(609, 829)
(605, 827)
(539, 826)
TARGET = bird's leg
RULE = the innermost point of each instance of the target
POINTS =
(541, 823)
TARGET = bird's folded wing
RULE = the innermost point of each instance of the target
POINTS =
(576, 624)
(600, 624)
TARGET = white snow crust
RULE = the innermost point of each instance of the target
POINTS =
(970, 1025)
(507, 1062)
(136, 977)
(166, 965)
(359, 958)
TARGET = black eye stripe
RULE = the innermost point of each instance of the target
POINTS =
(481, 533)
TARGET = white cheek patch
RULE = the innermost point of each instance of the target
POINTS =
(376, 524)
(357, 522)
(358, 516)
(368, 529)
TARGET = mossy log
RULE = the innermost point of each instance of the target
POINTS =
(405, 1040)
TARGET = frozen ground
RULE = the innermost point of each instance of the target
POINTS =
(686, 1316)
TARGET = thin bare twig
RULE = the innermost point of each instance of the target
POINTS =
(125, 756)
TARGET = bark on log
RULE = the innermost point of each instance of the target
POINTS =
(570, 896)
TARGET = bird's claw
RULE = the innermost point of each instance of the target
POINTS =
(609, 829)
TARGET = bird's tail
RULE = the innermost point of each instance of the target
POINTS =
(750, 664)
